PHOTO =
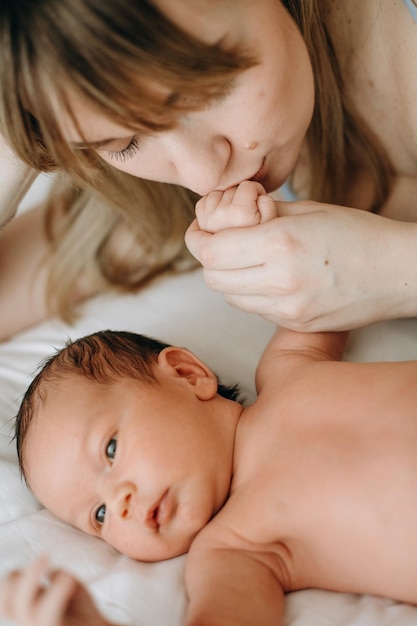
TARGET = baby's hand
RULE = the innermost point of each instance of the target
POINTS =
(237, 207)
(34, 597)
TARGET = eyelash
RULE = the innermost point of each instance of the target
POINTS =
(134, 144)
(126, 153)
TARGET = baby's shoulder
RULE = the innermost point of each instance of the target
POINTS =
(238, 526)
(224, 540)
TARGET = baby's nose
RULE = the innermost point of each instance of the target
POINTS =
(120, 499)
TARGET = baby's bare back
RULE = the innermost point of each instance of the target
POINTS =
(327, 476)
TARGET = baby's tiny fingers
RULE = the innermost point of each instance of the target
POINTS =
(20, 591)
(14, 602)
(247, 193)
(7, 595)
(267, 208)
(54, 604)
(210, 202)
(206, 208)
(235, 207)
(32, 580)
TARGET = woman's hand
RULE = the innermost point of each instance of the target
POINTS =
(34, 597)
(315, 267)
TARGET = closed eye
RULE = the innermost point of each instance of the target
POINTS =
(121, 155)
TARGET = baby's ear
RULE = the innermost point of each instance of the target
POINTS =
(182, 363)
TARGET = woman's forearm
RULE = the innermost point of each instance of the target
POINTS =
(24, 254)
(15, 179)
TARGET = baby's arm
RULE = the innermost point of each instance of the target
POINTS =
(289, 350)
(248, 205)
(27, 600)
(229, 587)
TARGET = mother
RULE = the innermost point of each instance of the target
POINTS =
(203, 94)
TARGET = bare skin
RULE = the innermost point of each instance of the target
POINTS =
(328, 454)
(322, 472)
(23, 250)
(321, 496)
(337, 485)
(24, 253)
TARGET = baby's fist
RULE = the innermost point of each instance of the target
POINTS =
(237, 207)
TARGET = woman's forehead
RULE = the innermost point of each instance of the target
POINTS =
(83, 123)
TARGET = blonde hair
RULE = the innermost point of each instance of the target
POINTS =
(337, 137)
(97, 247)
(110, 52)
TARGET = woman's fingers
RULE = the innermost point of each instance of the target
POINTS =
(268, 208)
(234, 248)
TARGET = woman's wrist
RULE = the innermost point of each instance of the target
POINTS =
(399, 282)
(15, 179)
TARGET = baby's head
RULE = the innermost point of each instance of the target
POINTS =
(129, 439)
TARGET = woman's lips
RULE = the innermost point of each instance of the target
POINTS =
(260, 174)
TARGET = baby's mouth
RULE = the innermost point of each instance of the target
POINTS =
(160, 512)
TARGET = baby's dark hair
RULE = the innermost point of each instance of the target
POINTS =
(102, 357)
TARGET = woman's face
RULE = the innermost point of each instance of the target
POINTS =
(254, 132)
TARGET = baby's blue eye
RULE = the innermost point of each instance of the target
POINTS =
(111, 448)
(101, 514)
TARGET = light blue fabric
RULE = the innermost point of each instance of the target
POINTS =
(287, 192)
(411, 7)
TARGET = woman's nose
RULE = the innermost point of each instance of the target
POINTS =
(200, 159)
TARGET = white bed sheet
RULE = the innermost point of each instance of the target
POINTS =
(180, 310)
